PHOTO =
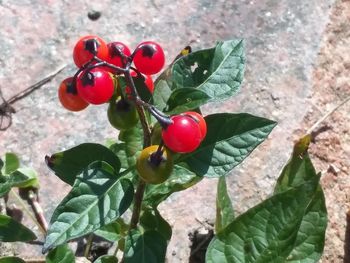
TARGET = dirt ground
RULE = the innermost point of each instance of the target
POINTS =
(331, 151)
(277, 33)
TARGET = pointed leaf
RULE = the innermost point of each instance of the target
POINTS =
(1, 165)
(146, 247)
(309, 244)
(113, 231)
(180, 179)
(151, 219)
(217, 71)
(11, 260)
(130, 146)
(11, 163)
(106, 259)
(98, 197)
(23, 177)
(230, 139)
(161, 94)
(311, 235)
(299, 168)
(68, 164)
(186, 99)
(61, 254)
(12, 231)
(224, 209)
(265, 233)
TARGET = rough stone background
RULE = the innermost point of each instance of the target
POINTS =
(297, 69)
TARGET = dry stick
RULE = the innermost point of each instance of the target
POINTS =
(26, 210)
(309, 131)
(35, 86)
(38, 211)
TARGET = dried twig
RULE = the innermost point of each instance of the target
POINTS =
(312, 129)
(6, 109)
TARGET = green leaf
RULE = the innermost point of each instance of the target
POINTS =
(12, 231)
(180, 179)
(130, 146)
(1, 166)
(22, 177)
(224, 209)
(146, 247)
(11, 260)
(310, 240)
(106, 259)
(29, 178)
(98, 197)
(113, 231)
(61, 254)
(185, 99)
(152, 220)
(311, 235)
(265, 233)
(230, 139)
(11, 163)
(161, 94)
(299, 168)
(217, 71)
(68, 164)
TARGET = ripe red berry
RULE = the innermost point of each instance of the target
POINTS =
(87, 47)
(149, 83)
(183, 135)
(115, 51)
(95, 86)
(200, 120)
(149, 58)
(68, 96)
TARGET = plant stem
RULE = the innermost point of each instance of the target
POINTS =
(88, 245)
(27, 212)
(38, 211)
(137, 204)
(135, 217)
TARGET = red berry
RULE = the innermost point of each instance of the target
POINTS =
(95, 86)
(87, 47)
(68, 96)
(200, 120)
(183, 135)
(115, 49)
(149, 83)
(149, 58)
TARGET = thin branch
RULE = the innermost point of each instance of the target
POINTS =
(26, 211)
(35, 86)
(309, 131)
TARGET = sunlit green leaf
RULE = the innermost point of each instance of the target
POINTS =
(224, 209)
(180, 179)
(217, 71)
(11, 163)
(265, 233)
(186, 99)
(98, 197)
(229, 140)
(68, 164)
(11, 260)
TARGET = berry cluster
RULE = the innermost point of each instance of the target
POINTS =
(97, 81)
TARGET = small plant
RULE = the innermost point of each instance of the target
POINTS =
(165, 145)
